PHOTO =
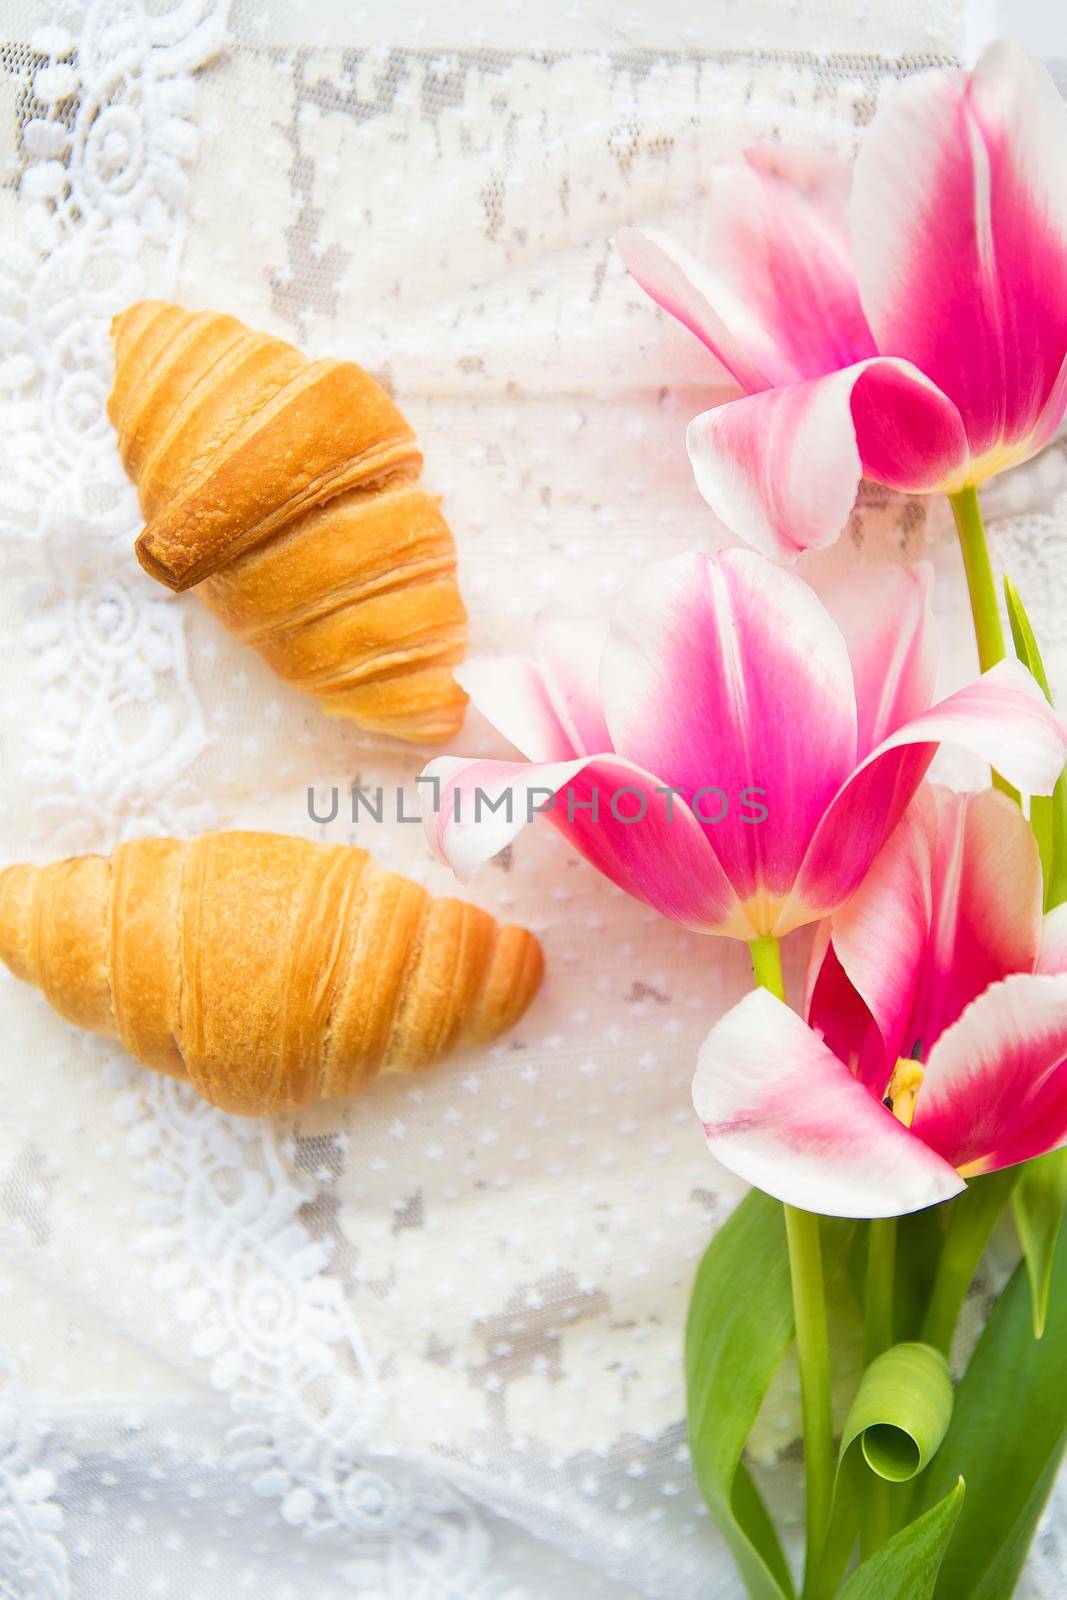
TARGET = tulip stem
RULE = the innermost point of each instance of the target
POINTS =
(982, 588)
(813, 1359)
(988, 630)
(767, 965)
(877, 1517)
(878, 1302)
(809, 1309)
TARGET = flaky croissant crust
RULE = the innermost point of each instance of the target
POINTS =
(285, 490)
(270, 971)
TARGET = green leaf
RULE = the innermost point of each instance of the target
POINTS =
(1039, 1202)
(907, 1567)
(901, 1411)
(1001, 1580)
(920, 1238)
(1023, 635)
(1048, 813)
(971, 1219)
(1006, 1437)
(739, 1328)
(895, 1425)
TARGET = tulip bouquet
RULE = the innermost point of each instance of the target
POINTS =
(751, 759)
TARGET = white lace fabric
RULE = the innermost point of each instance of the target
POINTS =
(425, 1345)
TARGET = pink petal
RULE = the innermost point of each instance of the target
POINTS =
(777, 299)
(515, 696)
(959, 215)
(836, 1010)
(986, 922)
(863, 991)
(548, 708)
(687, 290)
(661, 857)
(1002, 718)
(822, 176)
(951, 905)
(782, 468)
(1052, 956)
(884, 613)
(569, 647)
(1049, 418)
(995, 1090)
(781, 1111)
(716, 672)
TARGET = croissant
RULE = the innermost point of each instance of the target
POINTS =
(267, 970)
(285, 490)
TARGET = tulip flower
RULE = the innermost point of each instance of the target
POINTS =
(737, 751)
(903, 317)
(936, 1041)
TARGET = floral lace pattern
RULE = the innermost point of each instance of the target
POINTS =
(106, 140)
(33, 1557)
(283, 1344)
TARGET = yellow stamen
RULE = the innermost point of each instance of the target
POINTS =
(904, 1089)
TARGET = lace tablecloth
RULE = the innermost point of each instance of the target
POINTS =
(425, 1345)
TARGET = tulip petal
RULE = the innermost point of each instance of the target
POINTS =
(716, 671)
(1002, 718)
(618, 817)
(777, 299)
(959, 214)
(995, 1090)
(822, 176)
(569, 647)
(866, 981)
(782, 1112)
(836, 1010)
(986, 921)
(513, 694)
(548, 708)
(885, 616)
(1052, 957)
(1049, 418)
(686, 289)
(782, 468)
(950, 906)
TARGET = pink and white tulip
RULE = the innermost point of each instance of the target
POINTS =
(936, 1041)
(903, 317)
(727, 671)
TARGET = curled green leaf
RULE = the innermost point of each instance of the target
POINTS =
(901, 1411)
(1007, 1439)
(894, 1428)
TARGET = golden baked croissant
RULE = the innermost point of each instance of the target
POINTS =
(267, 970)
(285, 490)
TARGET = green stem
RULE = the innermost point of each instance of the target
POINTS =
(813, 1359)
(972, 1220)
(982, 588)
(877, 1519)
(878, 1300)
(809, 1308)
(981, 585)
(767, 965)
